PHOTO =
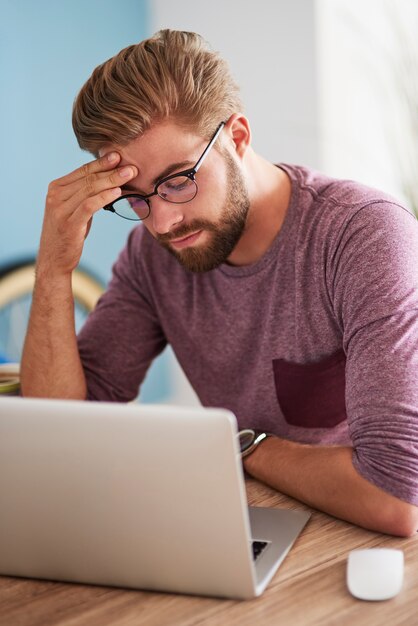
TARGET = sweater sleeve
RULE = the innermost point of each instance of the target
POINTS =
(374, 286)
(122, 336)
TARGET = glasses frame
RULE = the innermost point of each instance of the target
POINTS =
(189, 173)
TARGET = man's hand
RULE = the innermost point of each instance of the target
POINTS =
(51, 365)
(70, 205)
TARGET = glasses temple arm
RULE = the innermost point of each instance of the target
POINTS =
(209, 146)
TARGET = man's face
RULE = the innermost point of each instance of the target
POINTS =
(202, 233)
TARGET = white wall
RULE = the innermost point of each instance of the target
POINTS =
(364, 131)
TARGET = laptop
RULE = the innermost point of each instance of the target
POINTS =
(138, 496)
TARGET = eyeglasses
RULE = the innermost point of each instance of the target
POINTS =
(177, 188)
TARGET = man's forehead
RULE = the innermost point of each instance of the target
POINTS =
(161, 140)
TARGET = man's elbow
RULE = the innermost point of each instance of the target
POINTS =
(407, 524)
(401, 520)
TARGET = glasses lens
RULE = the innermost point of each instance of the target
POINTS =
(131, 208)
(178, 189)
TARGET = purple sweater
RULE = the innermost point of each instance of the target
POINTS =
(316, 342)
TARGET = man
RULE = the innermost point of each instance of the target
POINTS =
(288, 297)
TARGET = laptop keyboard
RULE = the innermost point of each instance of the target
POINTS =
(258, 547)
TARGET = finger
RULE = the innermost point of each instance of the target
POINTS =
(86, 209)
(106, 162)
(96, 183)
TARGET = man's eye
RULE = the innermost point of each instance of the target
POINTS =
(176, 185)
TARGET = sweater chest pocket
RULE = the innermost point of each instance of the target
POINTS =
(312, 395)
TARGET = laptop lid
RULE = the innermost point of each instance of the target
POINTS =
(147, 497)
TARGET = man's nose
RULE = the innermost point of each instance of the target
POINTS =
(165, 215)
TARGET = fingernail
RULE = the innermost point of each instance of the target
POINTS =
(112, 157)
(126, 171)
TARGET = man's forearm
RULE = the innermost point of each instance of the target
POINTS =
(325, 478)
(51, 365)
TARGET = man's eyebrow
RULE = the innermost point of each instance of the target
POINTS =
(166, 172)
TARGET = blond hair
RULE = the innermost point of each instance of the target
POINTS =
(173, 75)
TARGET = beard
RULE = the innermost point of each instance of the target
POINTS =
(224, 234)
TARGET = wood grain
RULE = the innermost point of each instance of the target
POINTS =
(309, 588)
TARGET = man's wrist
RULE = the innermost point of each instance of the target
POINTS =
(47, 272)
(255, 461)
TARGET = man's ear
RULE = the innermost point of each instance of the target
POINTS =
(238, 132)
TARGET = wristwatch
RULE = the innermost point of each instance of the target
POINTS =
(250, 439)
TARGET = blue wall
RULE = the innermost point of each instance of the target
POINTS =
(47, 51)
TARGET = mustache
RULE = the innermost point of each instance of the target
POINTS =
(185, 230)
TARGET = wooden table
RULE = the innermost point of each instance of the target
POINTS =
(308, 589)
